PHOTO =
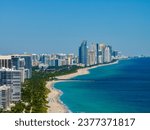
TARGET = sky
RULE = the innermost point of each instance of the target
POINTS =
(59, 26)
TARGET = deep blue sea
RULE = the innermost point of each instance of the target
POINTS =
(118, 88)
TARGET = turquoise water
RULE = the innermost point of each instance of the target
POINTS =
(121, 88)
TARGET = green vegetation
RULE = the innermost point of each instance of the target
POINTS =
(34, 91)
(34, 94)
(19, 107)
(1, 110)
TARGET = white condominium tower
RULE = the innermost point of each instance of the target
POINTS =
(4, 96)
(12, 78)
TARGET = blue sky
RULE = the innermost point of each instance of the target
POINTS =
(50, 26)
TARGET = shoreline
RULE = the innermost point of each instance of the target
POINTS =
(55, 105)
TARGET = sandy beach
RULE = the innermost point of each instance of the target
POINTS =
(54, 103)
(55, 106)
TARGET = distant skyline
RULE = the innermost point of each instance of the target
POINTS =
(59, 26)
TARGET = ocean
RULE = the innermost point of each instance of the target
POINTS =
(117, 88)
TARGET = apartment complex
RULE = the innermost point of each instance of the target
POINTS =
(95, 54)
(54, 60)
(4, 96)
(11, 78)
(14, 69)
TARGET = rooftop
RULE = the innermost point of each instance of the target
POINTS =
(5, 57)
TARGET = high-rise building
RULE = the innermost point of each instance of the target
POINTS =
(44, 59)
(91, 57)
(76, 60)
(54, 62)
(108, 54)
(28, 64)
(13, 70)
(93, 49)
(17, 62)
(101, 53)
(97, 53)
(5, 61)
(83, 53)
(35, 59)
(70, 59)
(4, 96)
(63, 62)
(116, 54)
(12, 78)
